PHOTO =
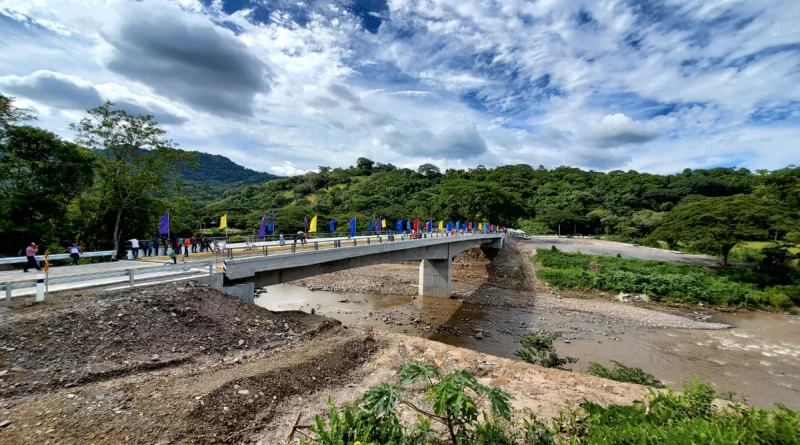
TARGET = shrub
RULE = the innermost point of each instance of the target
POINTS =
(539, 350)
(622, 373)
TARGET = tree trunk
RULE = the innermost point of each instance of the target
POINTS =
(725, 253)
(116, 231)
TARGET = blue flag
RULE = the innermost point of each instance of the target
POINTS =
(332, 225)
(163, 225)
(399, 225)
(370, 228)
(262, 231)
(408, 224)
(352, 228)
(271, 227)
(378, 224)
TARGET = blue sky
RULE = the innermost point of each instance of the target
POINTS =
(285, 86)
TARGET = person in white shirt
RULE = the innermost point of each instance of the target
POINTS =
(134, 247)
(74, 253)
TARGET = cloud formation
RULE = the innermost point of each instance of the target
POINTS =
(284, 86)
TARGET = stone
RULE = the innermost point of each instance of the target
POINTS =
(623, 297)
(479, 335)
(243, 392)
(643, 297)
(5, 423)
(155, 357)
(241, 342)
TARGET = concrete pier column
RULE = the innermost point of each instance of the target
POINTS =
(435, 278)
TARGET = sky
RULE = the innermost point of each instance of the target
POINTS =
(285, 86)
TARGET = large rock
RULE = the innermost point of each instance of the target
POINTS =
(643, 297)
(623, 297)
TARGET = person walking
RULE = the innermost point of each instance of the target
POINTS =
(74, 253)
(173, 256)
(144, 245)
(187, 243)
(31, 252)
(194, 243)
(154, 245)
(134, 247)
(178, 246)
(281, 241)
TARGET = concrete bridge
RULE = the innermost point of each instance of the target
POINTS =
(435, 270)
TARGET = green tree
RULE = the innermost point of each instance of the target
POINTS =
(10, 114)
(430, 171)
(719, 224)
(40, 174)
(136, 160)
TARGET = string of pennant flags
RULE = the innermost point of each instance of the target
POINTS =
(377, 226)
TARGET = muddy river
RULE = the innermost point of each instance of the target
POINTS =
(758, 360)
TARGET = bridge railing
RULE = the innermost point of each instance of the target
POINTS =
(294, 245)
(130, 272)
(57, 256)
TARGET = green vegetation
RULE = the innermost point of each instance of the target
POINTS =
(539, 350)
(622, 373)
(770, 284)
(455, 412)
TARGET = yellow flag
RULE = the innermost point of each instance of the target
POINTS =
(480, 226)
(441, 225)
(313, 227)
(383, 223)
(223, 222)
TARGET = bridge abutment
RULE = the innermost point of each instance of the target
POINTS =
(435, 278)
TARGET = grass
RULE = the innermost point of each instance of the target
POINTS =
(622, 373)
(662, 281)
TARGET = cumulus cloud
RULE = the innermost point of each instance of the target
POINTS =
(53, 89)
(454, 142)
(288, 169)
(187, 58)
(617, 129)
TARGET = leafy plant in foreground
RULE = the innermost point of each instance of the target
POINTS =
(539, 350)
(622, 373)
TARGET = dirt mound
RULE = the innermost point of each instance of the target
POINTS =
(101, 338)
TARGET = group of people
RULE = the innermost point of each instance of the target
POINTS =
(32, 250)
(193, 244)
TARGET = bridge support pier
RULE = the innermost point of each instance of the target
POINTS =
(435, 278)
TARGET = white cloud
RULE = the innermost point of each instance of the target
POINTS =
(288, 169)
(606, 84)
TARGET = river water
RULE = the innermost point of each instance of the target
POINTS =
(758, 360)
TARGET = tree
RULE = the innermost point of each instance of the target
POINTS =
(365, 164)
(136, 160)
(719, 224)
(39, 176)
(10, 114)
(430, 171)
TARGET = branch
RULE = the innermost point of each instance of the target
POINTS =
(425, 413)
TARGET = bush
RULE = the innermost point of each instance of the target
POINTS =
(622, 373)
(733, 286)
(539, 350)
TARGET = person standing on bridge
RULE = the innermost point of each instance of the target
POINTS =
(194, 243)
(187, 243)
(145, 246)
(281, 241)
(134, 247)
(74, 253)
(154, 245)
(30, 253)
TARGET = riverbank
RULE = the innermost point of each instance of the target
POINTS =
(187, 364)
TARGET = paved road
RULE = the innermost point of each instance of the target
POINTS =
(601, 247)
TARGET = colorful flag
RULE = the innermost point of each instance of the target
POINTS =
(379, 224)
(429, 225)
(163, 225)
(271, 227)
(441, 225)
(332, 225)
(469, 226)
(305, 224)
(352, 228)
(262, 231)
(370, 227)
(480, 227)
(383, 223)
(399, 225)
(223, 222)
(408, 224)
(416, 224)
(313, 227)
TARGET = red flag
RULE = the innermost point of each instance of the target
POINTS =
(416, 224)
(469, 226)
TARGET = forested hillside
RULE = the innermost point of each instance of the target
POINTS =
(214, 175)
(535, 199)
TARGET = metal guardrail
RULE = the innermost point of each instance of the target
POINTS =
(315, 243)
(58, 256)
(131, 273)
